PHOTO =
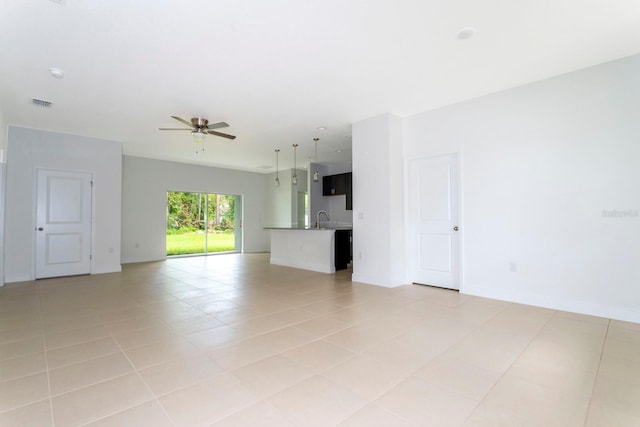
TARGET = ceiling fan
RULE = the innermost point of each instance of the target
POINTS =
(199, 127)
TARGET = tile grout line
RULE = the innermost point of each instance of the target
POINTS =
(281, 353)
(595, 379)
(122, 351)
(137, 371)
(46, 359)
(512, 363)
(412, 373)
(42, 301)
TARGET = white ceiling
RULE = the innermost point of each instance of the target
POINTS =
(276, 70)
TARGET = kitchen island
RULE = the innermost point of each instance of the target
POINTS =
(316, 249)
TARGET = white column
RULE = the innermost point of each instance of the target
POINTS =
(378, 202)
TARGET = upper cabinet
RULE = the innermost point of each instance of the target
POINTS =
(349, 192)
(336, 185)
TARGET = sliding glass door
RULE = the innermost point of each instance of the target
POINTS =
(200, 223)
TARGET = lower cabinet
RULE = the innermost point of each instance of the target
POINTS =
(342, 249)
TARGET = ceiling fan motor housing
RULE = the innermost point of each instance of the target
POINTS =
(199, 127)
(199, 123)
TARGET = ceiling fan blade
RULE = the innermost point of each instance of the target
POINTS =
(218, 125)
(182, 121)
(173, 129)
(224, 135)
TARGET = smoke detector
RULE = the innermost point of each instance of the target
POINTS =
(56, 72)
(466, 33)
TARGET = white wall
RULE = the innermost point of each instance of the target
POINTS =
(278, 200)
(378, 214)
(30, 149)
(4, 136)
(3, 174)
(144, 203)
(541, 165)
(3, 152)
(281, 205)
(297, 198)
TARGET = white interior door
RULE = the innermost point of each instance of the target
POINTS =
(433, 221)
(63, 223)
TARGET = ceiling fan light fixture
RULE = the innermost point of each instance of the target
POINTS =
(198, 135)
(198, 138)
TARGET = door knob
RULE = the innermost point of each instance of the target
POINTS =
(455, 228)
(40, 228)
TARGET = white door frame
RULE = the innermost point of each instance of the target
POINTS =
(409, 260)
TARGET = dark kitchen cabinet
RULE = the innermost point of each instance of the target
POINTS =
(349, 193)
(338, 185)
(334, 185)
(328, 185)
(342, 249)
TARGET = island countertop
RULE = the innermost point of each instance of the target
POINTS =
(311, 228)
(296, 247)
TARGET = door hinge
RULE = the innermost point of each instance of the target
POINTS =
(90, 256)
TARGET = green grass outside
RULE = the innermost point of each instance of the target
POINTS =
(193, 243)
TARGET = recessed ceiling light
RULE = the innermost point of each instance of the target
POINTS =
(321, 128)
(466, 33)
(338, 151)
(56, 72)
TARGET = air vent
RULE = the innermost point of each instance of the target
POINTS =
(41, 103)
(58, 1)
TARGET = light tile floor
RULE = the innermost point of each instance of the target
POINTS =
(230, 340)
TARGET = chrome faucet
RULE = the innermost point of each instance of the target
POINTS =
(318, 217)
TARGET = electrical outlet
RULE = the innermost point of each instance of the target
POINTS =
(513, 267)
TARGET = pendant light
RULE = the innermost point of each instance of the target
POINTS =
(316, 175)
(277, 177)
(294, 177)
